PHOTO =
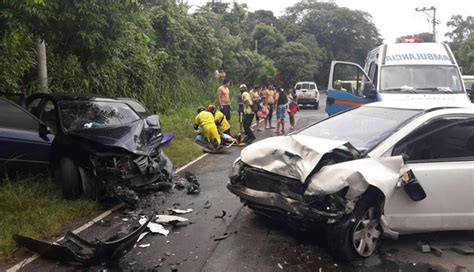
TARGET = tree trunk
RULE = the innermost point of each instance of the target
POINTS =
(42, 67)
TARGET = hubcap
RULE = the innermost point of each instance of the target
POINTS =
(366, 233)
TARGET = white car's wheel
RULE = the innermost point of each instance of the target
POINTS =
(358, 236)
(366, 233)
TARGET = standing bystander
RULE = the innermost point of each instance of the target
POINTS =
(280, 105)
(248, 114)
(269, 102)
(254, 94)
(292, 107)
(223, 98)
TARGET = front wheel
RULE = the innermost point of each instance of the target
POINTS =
(357, 237)
(69, 177)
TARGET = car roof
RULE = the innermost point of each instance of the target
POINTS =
(300, 82)
(419, 104)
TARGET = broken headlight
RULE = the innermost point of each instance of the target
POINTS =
(235, 172)
(112, 164)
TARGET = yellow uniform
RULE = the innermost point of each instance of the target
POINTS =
(223, 124)
(208, 126)
(247, 106)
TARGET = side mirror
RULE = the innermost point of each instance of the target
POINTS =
(153, 121)
(412, 187)
(43, 130)
(369, 90)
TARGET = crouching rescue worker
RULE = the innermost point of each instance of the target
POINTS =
(222, 124)
(204, 123)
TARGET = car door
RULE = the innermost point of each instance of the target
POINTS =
(441, 155)
(23, 146)
(339, 98)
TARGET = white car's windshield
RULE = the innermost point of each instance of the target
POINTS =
(420, 79)
(363, 127)
(90, 114)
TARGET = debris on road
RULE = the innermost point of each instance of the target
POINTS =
(224, 213)
(142, 236)
(170, 219)
(224, 236)
(74, 249)
(193, 186)
(207, 204)
(280, 266)
(155, 228)
(144, 245)
(423, 247)
(178, 211)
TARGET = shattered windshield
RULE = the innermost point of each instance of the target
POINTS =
(363, 127)
(420, 79)
(87, 114)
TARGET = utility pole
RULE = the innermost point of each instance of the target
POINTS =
(42, 67)
(432, 17)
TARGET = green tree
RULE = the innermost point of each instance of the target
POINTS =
(461, 28)
(268, 39)
(295, 62)
(466, 55)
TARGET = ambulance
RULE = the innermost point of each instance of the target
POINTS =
(401, 71)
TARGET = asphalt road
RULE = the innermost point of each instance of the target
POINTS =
(253, 243)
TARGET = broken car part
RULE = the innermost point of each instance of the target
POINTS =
(75, 249)
(169, 219)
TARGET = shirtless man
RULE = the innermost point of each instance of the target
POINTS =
(223, 98)
(269, 94)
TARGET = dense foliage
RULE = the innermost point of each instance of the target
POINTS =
(160, 52)
(462, 41)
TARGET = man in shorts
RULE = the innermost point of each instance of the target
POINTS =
(269, 102)
(280, 105)
(223, 98)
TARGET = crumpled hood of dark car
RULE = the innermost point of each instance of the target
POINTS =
(136, 137)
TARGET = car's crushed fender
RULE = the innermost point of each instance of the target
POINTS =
(383, 173)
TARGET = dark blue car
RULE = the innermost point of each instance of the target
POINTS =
(96, 146)
(25, 141)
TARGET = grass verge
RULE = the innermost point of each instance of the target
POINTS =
(33, 206)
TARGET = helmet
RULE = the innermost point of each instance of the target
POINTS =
(211, 108)
(243, 87)
(200, 109)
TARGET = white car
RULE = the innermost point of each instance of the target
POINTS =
(385, 168)
(307, 93)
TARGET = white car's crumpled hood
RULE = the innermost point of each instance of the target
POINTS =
(293, 156)
(296, 156)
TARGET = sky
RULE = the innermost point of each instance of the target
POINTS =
(394, 18)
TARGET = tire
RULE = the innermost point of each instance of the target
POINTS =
(316, 105)
(358, 236)
(68, 176)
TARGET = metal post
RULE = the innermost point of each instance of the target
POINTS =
(434, 21)
(434, 24)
